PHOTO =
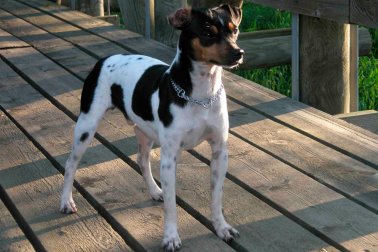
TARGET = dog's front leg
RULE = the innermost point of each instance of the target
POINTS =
(219, 163)
(171, 240)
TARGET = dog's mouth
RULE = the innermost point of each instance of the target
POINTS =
(229, 64)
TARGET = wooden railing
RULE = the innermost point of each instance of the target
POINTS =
(323, 47)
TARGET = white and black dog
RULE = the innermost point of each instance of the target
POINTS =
(176, 106)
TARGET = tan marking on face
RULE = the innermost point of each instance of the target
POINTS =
(214, 29)
(211, 53)
(231, 26)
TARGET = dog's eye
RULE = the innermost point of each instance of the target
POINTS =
(235, 31)
(208, 34)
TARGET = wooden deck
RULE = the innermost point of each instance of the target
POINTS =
(298, 179)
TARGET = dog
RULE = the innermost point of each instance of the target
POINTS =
(176, 106)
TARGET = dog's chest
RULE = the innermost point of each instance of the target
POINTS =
(194, 127)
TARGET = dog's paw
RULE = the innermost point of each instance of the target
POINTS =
(157, 195)
(227, 233)
(68, 206)
(171, 242)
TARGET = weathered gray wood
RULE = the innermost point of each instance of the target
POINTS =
(300, 116)
(294, 116)
(364, 12)
(262, 52)
(120, 190)
(326, 211)
(367, 119)
(166, 33)
(59, 87)
(307, 182)
(34, 186)
(324, 65)
(9, 41)
(309, 121)
(353, 67)
(12, 237)
(295, 56)
(97, 7)
(336, 10)
(271, 49)
(60, 29)
(133, 13)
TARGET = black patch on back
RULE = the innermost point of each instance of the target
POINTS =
(89, 87)
(84, 136)
(117, 98)
(145, 87)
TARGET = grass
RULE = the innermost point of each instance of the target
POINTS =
(256, 17)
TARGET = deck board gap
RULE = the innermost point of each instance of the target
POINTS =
(126, 236)
(202, 219)
(21, 222)
(15, 47)
(80, 27)
(295, 167)
(54, 34)
(328, 144)
(286, 213)
(132, 242)
(341, 150)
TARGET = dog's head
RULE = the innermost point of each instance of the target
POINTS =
(209, 35)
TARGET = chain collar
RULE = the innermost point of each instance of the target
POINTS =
(206, 103)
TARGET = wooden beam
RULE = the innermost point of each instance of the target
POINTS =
(354, 58)
(364, 12)
(273, 48)
(336, 10)
(325, 65)
(295, 57)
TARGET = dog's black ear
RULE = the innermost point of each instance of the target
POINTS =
(181, 18)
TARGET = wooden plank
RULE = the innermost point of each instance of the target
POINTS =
(9, 41)
(367, 119)
(69, 33)
(336, 179)
(34, 185)
(133, 43)
(61, 88)
(11, 236)
(335, 10)
(263, 50)
(73, 69)
(119, 190)
(353, 72)
(364, 12)
(114, 137)
(305, 119)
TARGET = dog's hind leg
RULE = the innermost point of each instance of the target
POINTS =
(84, 132)
(144, 148)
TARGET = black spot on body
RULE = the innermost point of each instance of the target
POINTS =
(84, 136)
(89, 87)
(145, 87)
(139, 58)
(117, 98)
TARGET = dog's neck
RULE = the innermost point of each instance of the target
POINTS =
(199, 79)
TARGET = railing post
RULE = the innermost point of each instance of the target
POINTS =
(295, 56)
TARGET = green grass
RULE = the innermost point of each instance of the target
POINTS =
(255, 18)
(279, 78)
